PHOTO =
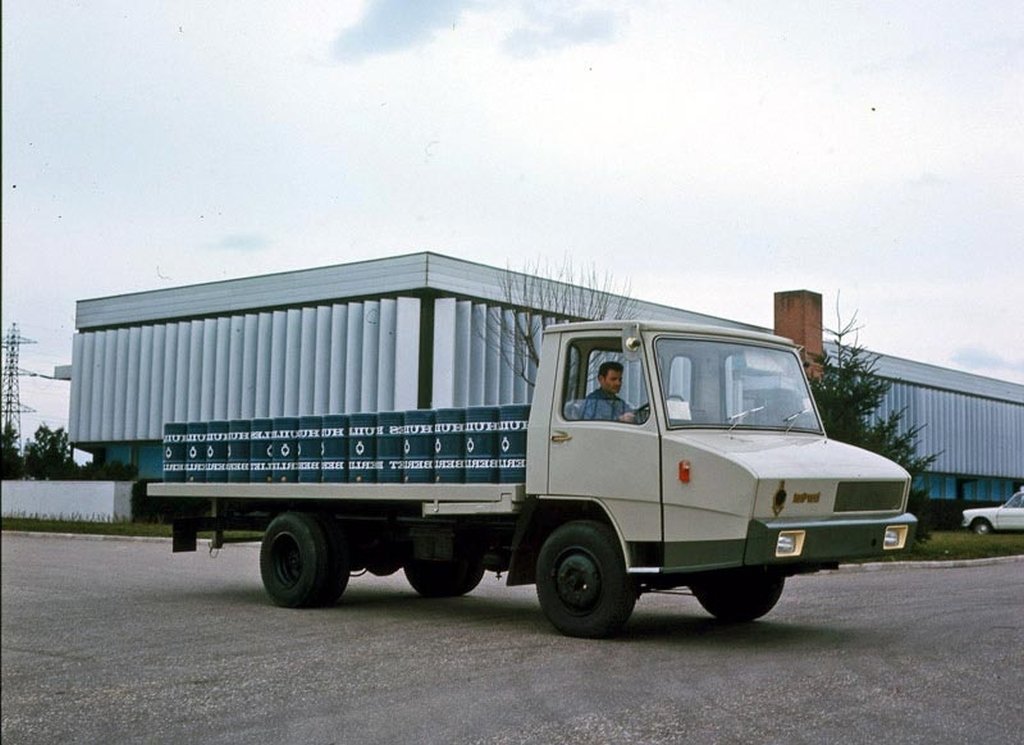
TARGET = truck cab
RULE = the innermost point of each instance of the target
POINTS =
(722, 479)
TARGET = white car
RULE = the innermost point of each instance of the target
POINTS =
(1008, 517)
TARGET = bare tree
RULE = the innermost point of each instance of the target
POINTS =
(544, 293)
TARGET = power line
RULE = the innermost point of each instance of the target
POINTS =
(12, 406)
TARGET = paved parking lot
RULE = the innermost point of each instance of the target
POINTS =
(121, 641)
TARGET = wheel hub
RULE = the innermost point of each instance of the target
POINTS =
(287, 560)
(578, 581)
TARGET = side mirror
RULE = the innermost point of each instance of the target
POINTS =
(631, 342)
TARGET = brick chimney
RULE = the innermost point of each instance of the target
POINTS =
(798, 317)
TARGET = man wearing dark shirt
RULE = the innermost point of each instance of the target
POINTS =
(604, 402)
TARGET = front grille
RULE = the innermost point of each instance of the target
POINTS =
(869, 496)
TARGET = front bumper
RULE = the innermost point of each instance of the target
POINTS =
(826, 541)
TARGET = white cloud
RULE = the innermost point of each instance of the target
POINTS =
(391, 25)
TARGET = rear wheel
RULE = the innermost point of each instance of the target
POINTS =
(444, 579)
(582, 583)
(338, 564)
(739, 597)
(295, 560)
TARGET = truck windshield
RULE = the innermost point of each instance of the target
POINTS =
(708, 383)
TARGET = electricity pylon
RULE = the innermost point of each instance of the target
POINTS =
(12, 406)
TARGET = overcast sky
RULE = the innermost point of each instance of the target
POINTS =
(709, 154)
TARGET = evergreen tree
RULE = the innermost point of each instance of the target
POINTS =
(848, 393)
(13, 463)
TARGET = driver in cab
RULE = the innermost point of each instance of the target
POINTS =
(604, 402)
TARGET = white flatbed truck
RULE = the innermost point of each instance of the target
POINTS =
(721, 480)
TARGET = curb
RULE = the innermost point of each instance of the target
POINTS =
(87, 536)
(881, 566)
(122, 538)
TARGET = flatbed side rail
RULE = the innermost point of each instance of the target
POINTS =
(356, 492)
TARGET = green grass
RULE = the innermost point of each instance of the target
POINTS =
(962, 544)
(81, 527)
(942, 546)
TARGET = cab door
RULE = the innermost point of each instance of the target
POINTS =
(614, 462)
(1011, 515)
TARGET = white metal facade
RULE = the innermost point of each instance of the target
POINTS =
(969, 434)
(339, 358)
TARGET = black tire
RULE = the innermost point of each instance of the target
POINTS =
(582, 583)
(339, 566)
(740, 597)
(444, 579)
(981, 526)
(295, 560)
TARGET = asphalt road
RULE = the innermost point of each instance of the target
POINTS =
(111, 641)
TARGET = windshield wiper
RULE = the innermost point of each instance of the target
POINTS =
(791, 419)
(737, 418)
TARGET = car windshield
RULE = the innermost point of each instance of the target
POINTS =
(708, 383)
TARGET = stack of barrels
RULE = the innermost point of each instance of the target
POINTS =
(476, 445)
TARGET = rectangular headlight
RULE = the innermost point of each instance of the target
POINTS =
(790, 543)
(895, 537)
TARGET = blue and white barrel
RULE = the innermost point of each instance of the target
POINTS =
(261, 451)
(174, 451)
(482, 445)
(217, 451)
(418, 446)
(334, 440)
(363, 464)
(389, 447)
(286, 460)
(238, 451)
(449, 446)
(310, 445)
(512, 422)
(195, 452)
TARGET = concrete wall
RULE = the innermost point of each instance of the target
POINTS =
(97, 501)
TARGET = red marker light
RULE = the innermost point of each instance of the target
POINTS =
(684, 471)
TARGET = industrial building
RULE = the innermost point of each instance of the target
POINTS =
(429, 331)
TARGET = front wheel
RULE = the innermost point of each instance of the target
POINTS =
(582, 583)
(981, 527)
(740, 597)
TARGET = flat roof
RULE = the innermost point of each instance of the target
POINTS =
(410, 273)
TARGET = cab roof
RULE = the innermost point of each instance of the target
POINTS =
(646, 327)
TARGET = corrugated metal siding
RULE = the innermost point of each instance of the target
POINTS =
(347, 357)
(970, 434)
(475, 359)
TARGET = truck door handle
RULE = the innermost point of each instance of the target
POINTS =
(560, 436)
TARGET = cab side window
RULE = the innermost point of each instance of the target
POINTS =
(602, 385)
